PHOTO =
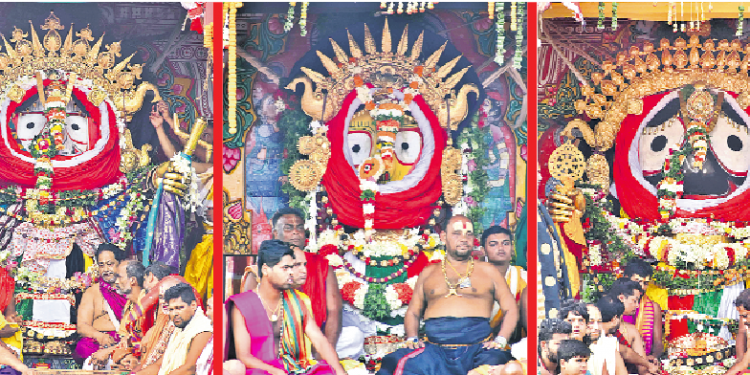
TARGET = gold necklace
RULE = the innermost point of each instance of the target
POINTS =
(463, 282)
(273, 317)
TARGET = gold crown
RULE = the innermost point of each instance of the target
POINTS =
(385, 69)
(96, 68)
(637, 73)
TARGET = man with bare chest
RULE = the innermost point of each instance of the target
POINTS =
(101, 306)
(455, 298)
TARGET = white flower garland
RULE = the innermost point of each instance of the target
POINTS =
(183, 166)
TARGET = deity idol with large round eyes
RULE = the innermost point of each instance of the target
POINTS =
(675, 193)
(381, 167)
(68, 170)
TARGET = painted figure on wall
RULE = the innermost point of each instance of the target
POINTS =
(500, 153)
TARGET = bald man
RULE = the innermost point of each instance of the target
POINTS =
(456, 298)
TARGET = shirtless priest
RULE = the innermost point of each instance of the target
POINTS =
(272, 330)
(456, 297)
(101, 307)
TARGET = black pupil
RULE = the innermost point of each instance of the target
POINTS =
(405, 146)
(30, 125)
(75, 126)
(659, 143)
(734, 142)
(356, 148)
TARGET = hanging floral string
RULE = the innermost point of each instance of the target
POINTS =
(740, 20)
(513, 25)
(682, 16)
(600, 23)
(500, 27)
(614, 16)
(290, 17)
(491, 9)
(303, 19)
(519, 40)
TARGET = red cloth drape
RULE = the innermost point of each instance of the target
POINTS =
(315, 286)
(102, 169)
(408, 209)
(7, 285)
(678, 328)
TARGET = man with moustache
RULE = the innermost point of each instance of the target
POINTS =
(100, 311)
(271, 329)
(192, 334)
(155, 341)
(498, 247)
(313, 275)
(129, 282)
(550, 333)
(455, 298)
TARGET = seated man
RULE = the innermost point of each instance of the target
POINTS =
(100, 311)
(127, 351)
(456, 298)
(271, 329)
(612, 309)
(742, 304)
(155, 341)
(551, 332)
(321, 284)
(605, 357)
(498, 247)
(192, 333)
(647, 317)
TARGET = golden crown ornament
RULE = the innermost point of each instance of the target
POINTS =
(93, 69)
(385, 69)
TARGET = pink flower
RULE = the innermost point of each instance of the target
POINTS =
(230, 158)
(524, 152)
(471, 202)
(472, 165)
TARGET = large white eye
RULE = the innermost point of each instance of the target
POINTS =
(77, 130)
(28, 126)
(730, 143)
(360, 146)
(655, 143)
(408, 146)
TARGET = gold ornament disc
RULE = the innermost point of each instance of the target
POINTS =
(567, 161)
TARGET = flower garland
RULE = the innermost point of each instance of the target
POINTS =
(303, 18)
(289, 24)
(600, 23)
(396, 296)
(182, 165)
(740, 20)
(614, 16)
(500, 29)
(518, 58)
(473, 141)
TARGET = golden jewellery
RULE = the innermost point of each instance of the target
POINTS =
(452, 288)
(273, 316)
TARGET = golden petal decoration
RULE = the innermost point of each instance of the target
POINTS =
(306, 145)
(353, 46)
(16, 93)
(403, 44)
(386, 38)
(340, 54)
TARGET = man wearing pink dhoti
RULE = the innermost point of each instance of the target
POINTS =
(272, 330)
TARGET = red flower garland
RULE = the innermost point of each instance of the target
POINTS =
(348, 291)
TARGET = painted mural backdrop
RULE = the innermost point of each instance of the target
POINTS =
(253, 159)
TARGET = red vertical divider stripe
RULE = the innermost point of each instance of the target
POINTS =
(218, 109)
(531, 191)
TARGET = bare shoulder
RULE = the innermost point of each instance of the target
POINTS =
(429, 269)
(92, 292)
(486, 269)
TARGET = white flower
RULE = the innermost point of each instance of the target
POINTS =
(369, 223)
(368, 185)
(412, 281)
(368, 208)
(437, 255)
(342, 276)
(391, 296)
(334, 260)
(359, 296)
